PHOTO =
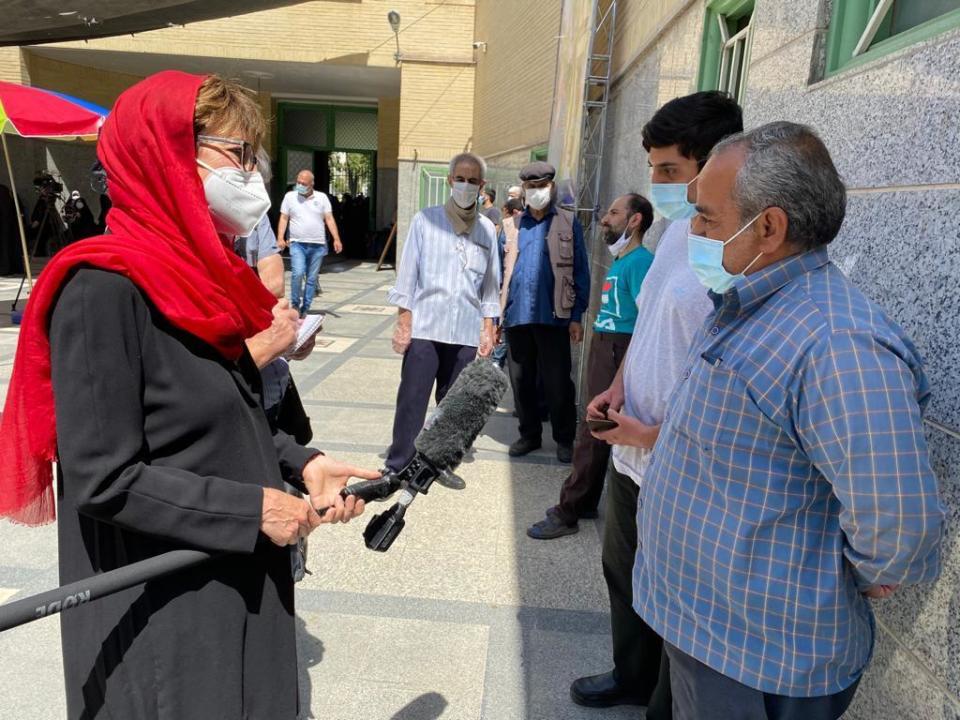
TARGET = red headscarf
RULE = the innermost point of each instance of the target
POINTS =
(162, 238)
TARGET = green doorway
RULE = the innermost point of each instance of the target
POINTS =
(338, 144)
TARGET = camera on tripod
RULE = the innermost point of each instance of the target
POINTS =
(46, 185)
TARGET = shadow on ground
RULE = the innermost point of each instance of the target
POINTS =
(428, 706)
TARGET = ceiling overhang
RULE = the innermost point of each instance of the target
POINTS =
(30, 22)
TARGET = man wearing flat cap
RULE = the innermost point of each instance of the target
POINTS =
(547, 288)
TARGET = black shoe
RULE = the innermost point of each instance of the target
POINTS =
(551, 527)
(601, 691)
(524, 446)
(565, 454)
(451, 480)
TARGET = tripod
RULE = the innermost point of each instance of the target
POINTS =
(60, 236)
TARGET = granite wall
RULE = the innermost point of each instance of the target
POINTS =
(893, 130)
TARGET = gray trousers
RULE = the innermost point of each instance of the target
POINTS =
(701, 693)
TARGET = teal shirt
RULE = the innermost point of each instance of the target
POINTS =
(618, 297)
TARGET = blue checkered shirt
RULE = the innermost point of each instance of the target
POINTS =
(790, 474)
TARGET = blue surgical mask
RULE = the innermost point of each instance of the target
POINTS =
(302, 189)
(670, 200)
(706, 261)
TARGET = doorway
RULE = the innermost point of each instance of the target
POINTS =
(338, 144)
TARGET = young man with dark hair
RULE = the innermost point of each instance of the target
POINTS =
(670, 310)
(627, 220)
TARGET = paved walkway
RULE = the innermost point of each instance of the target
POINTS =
(464, 618)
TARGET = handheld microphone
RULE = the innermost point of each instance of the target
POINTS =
(441, 445)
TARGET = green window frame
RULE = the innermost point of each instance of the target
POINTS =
(433, 185)
(539, 153)
(725, 48)
(860, 31)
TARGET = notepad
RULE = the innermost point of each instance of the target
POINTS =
(308, 328)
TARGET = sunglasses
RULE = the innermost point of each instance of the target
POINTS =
(240, 151)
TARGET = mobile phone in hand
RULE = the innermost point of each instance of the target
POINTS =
(601, 424)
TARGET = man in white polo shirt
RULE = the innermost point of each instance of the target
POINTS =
(309, 214)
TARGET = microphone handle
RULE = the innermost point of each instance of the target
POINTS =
(368, 490)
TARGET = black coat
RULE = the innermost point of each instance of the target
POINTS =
(164, 445)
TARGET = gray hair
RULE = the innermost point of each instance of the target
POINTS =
(470, 158)
(786, 165)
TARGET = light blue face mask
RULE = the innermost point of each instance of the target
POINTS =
(706, 260)
(302, 189)
(670, 200)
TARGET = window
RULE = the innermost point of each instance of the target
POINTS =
(725, 55)
(433, 185)
(862, 30)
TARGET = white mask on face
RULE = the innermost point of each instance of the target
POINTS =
(464, 194)
(237, 199)
(617, 247)
(538, 198)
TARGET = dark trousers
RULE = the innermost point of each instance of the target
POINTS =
(636, 647)
(582, 489)
(701, 693)
(424, 363)
(542, 351)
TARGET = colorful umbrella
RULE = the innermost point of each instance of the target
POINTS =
(34, 113)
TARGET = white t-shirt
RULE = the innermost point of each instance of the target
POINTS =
(671, 308)
(306, 216)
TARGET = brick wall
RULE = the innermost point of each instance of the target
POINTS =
(354, 33)
(11, 66)
(638, 23)
(97, 86)
(515, 76)
(436, 111)
(388, 132)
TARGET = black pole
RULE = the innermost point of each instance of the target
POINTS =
(69, 596)
(81, 592)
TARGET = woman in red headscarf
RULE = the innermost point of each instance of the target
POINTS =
(132, 369)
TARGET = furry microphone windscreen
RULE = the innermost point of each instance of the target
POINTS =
(461, 415)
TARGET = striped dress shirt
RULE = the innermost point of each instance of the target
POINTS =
(449, 281)
(790, 474)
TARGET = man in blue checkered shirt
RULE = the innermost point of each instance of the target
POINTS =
(790, 481)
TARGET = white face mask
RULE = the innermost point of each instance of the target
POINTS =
(538, 198)
(617, 247)
(238, 200)
(464, 194)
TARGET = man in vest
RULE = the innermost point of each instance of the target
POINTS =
(547, 283)
(506, 241)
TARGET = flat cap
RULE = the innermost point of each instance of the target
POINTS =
(538, 170)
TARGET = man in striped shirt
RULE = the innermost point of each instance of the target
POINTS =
(448, 294)
(790, 482)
